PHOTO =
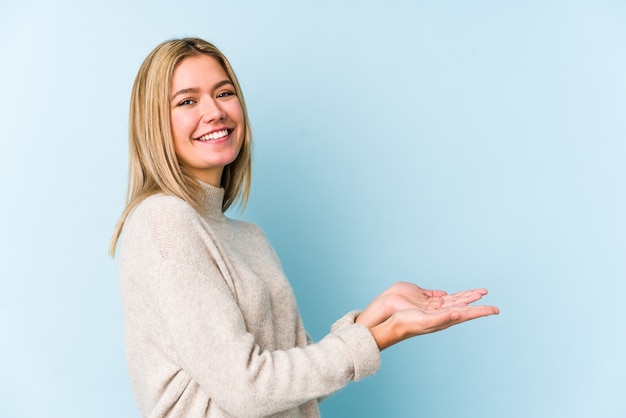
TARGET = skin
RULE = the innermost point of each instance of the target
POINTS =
(406, 310)
(203, 101)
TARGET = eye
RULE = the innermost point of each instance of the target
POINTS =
(225, 93)
(186, 102)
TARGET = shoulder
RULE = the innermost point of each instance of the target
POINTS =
(164, 213)
(245, 226)
(163, 220)
(250, 230)
(163, 207)
(251, 237)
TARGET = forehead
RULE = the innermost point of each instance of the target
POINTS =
(198, 69)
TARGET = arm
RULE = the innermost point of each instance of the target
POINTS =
(214, 346)
(405, 310)
(204, 325)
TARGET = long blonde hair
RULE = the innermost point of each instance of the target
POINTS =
(153, 165)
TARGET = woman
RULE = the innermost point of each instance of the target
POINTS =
(212, 326)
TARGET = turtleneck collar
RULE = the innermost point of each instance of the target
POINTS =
(213, 199)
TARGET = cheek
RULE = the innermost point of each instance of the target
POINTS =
(182, 124)
(180, 135)
(175, 124)
(235, 112)
(241, 123)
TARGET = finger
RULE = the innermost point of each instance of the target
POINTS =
(460, 315)
(417, 322)
(472, 312)
(463, 298)
(406, 288)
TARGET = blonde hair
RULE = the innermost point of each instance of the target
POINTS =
(153, 165)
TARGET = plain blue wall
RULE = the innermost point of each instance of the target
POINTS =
(455, 144)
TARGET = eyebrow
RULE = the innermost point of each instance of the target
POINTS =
(196, 89)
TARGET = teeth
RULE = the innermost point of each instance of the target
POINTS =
(214, 135)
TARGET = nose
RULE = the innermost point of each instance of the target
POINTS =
(212, 111)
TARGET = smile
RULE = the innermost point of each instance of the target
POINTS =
(213, 135)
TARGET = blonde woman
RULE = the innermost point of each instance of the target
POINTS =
(211, 323)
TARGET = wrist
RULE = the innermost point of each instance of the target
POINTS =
(387, 333)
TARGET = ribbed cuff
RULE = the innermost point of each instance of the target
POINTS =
(362, 347)
(347, 319)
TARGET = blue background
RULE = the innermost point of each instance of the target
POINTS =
(455, 144)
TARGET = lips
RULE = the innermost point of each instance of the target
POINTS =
(212, 136)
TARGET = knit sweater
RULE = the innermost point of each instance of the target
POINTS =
(211, 323)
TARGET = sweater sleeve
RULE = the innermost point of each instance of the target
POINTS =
(191, 295)
(210, 339)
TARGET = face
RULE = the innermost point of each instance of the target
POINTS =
(206, 117)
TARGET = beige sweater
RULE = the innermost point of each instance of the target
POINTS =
(211, 322)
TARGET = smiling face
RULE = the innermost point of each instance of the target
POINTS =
(206, 117)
